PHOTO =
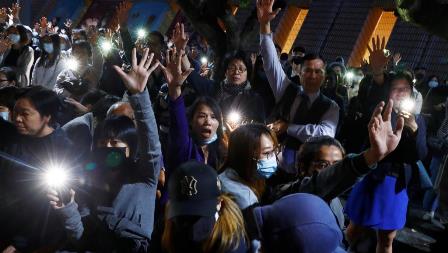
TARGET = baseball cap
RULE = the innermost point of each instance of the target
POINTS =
(299, 222)
(193, 189)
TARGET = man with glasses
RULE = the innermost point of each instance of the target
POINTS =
(301, 111)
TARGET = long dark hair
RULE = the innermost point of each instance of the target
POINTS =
(121, 128)
(244, 146)
(219, 147)
(55, 40)
(25, 34)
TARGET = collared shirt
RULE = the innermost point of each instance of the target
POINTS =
(279, 81)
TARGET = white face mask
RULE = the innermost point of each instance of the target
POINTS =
(48, 47)
(14, 38)
(4, 115)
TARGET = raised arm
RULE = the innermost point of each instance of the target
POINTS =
(377, 59)
(201, 85)
(341, 176)
(180, 141)
(271, 64)
(149, 149)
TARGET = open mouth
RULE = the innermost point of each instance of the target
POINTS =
(206, 132)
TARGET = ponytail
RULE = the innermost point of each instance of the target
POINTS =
(229, 230)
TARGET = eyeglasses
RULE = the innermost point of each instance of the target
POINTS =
(309, 71)
(235, 68)
(269, 154)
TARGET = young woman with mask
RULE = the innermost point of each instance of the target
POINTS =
(200, 218)
(122, 214)
(39, 143)
(200, 137)
(50, 63)
(20, 56)
(252, 158)
(380, 200)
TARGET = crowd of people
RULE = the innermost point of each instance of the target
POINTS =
(111, 143)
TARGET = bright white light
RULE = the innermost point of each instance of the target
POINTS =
(414, 80)
(234, 117)
(141, 33)
(204, 60)
(56, 177)
(72, 63)
(106, 46)
(407, 105)
(349, 75)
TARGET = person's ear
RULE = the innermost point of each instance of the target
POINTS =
(47, 119)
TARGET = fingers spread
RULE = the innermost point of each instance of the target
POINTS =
(369, 49)
(154, 66)
(120, 72)
(149, 61)
(377, 111)
(399, 127)
(388, 110)
(187, 73)
(134, 58)
(144, 58)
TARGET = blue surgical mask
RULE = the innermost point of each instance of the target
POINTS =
(64, 47)
(4, 115)
(267, 167)
(48, 47)
(14, 38)
(433, 84)
(208, 141)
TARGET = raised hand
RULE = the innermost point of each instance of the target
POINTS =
(43, 26)
(378, 60)
(122, 11)
(180, 38)
(15, 10)
(135, 81)
(383, 138)
(173, 72)
(55, 202)
(43, 22)
(68, 23)
(3, 15)
(264, 11)
(91, 23)
(396, 58)
(253, 58)
(5, 44)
